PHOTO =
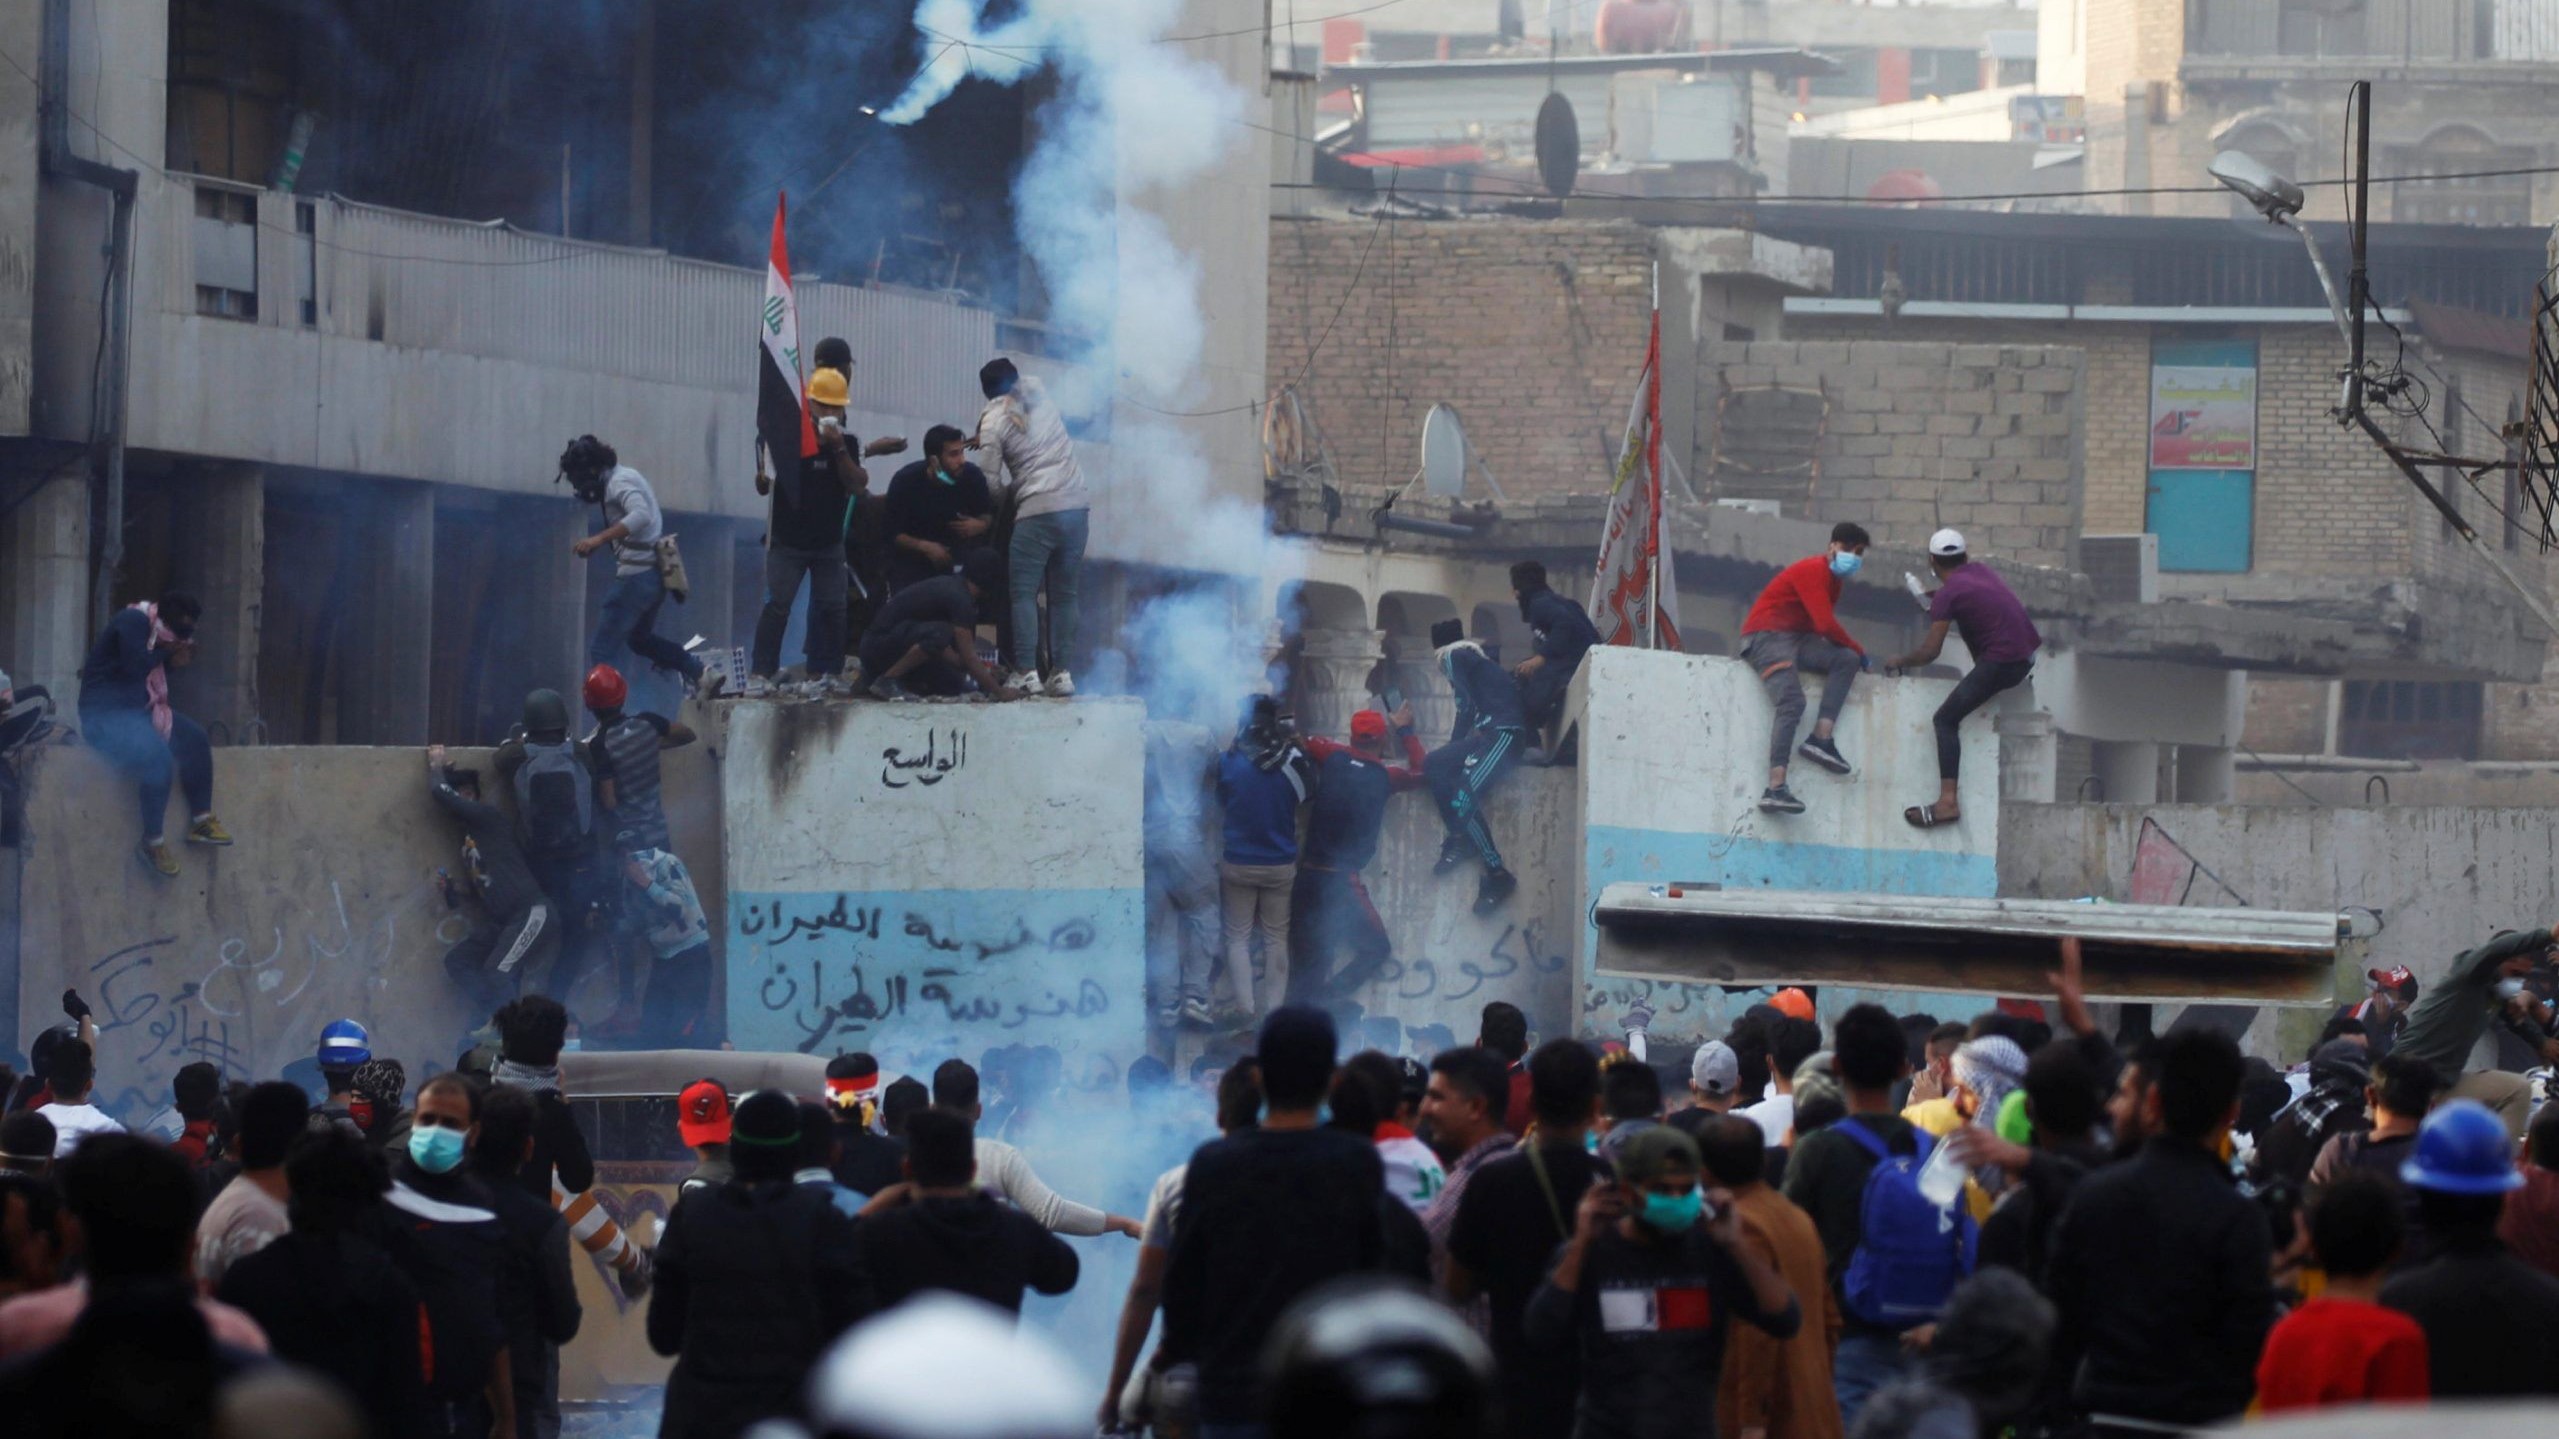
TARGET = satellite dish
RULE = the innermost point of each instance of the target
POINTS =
(1559, 145)
(1444, 459)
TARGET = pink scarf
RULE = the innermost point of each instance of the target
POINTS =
(155, 682)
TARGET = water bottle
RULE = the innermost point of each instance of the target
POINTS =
(1941, 1179)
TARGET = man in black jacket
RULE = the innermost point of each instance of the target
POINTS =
(938, 509)
(537, 1296)
(925, 639)
(328, 1295)
(1490, 735)
(452, 1247)
(940, 1231)
(1328, 904)
(1563, 633)
(866, 1160)
(755, 1277)
(518, 933)
(2159, 1266)
(1266, 1215)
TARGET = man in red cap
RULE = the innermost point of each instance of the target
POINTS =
(1328, 904)
(2388, 995)
(702, 1121)
(660, 903)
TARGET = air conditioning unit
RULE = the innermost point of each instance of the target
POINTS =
(2124, 569)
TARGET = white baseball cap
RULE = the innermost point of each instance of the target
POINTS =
(1946, 542)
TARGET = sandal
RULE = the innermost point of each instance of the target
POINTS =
(1925, 816)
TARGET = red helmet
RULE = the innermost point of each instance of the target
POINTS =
(605, 689)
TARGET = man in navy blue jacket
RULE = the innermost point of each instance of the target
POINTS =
(1261, 780)
(1564, 634)
(125, 716)
(1491, 731)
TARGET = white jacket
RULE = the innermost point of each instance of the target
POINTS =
(1025, 433)
(1003, 1172)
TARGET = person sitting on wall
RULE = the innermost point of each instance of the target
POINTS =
(1563, 633)
(124, 712)
(1490, 734)
(937, 509)
(1975, 600)
(1794, 623)
(925, 640)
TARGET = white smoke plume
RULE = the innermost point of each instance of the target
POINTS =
(1132, 115)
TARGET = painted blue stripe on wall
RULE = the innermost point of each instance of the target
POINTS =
(921, 975)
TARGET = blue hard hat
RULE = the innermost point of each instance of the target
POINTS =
(344, 1045)
(2463, 1148)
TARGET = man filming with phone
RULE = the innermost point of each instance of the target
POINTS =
(1655, 1271)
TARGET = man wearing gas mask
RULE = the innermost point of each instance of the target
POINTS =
(642, 553)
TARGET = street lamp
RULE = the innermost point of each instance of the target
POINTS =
(2279, 200)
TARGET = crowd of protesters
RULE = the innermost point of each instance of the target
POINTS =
(1882, 1227)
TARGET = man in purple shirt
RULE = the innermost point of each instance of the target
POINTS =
(1972, 599)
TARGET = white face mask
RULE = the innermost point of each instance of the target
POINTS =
(2509, 988)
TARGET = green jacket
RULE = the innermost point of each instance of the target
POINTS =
(2449, 1019)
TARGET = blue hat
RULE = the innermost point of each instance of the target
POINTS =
(344, 1045)
(2463, 1148)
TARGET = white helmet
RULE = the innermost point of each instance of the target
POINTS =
(920, 1371)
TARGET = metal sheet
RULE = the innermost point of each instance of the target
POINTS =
(2149, 953)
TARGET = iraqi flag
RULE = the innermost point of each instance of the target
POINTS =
(782, 423)
(1635, 598)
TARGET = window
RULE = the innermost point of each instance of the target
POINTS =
(2407, 719)
(226, 253)
(306, 276)
(2320, 28)
(1944, 72)
(2450, 188)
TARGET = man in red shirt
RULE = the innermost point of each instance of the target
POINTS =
(1794, 624)
(2344, 1347)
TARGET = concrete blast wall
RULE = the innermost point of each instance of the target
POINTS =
(928, 880)
(328, 907)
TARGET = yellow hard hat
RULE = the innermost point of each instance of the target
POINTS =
(828, 387)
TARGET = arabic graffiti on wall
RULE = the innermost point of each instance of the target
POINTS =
(924, 975)
(944, 751)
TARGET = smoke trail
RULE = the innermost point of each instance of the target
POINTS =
(1131, 115)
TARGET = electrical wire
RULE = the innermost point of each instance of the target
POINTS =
(1313, 350)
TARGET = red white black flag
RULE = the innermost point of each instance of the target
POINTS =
(782, 420)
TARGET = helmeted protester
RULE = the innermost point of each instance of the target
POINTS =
(2491, 1320)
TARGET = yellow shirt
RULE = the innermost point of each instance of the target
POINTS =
(1938, 1118)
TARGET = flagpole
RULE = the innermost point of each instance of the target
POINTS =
(1652, 443)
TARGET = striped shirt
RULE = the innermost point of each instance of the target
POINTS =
(626, 752)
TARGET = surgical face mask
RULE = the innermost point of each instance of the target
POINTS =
(1674, 1214)
(436, 1148)
(1844, 563)
(2509, 988)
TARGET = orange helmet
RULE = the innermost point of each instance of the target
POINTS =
(605, 689)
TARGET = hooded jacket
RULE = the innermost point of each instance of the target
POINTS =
(1487, 696)
(977, 1246)
(1563, 629)
(1261, 780)
(2453, 1013)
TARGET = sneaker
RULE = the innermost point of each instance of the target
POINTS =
(1061, 686)
(1194, 1015)
(889, 689)
(1452, 853)
(157, 854)
(836, 687)
(1824, 753)
(1022, 684)
(1779, 800)
(1496, 885)
(208, 830)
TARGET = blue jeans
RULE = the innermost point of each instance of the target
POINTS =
(1864, 1364)
(127, 740)
(1049, 547)
(630, 617)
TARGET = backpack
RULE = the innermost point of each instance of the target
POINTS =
(555, 801)
(1910, 1253)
